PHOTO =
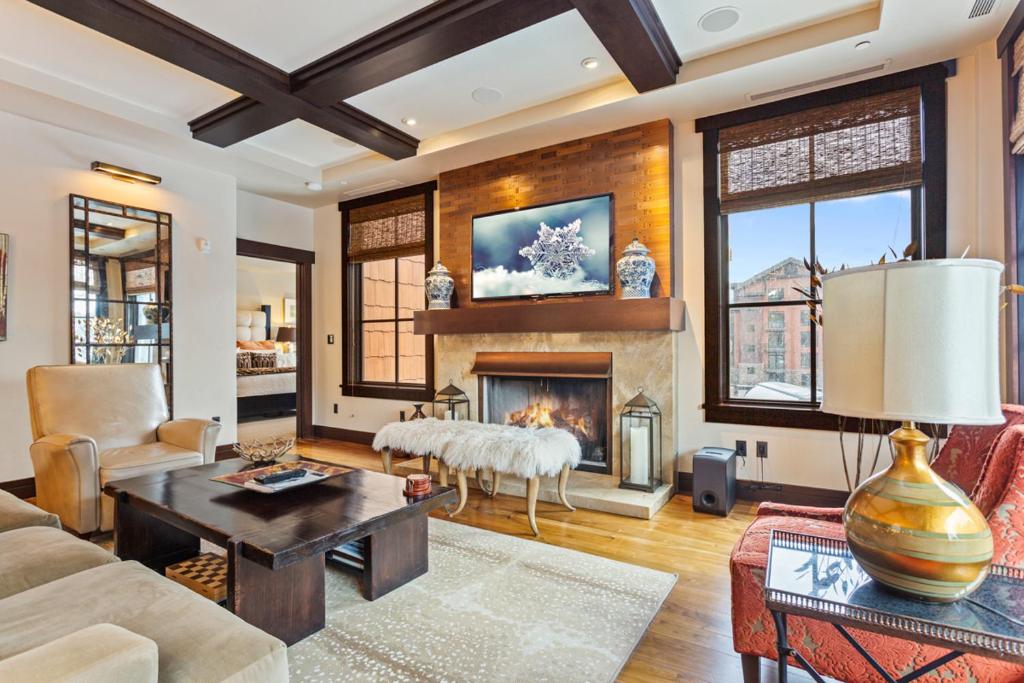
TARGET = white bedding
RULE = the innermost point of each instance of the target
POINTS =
(264, 385)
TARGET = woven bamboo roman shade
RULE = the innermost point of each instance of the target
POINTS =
(1017, 128)
(872, 144)
(387, 230)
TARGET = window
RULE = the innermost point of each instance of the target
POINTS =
(1011, 51)
(836, 177)
(387, 244)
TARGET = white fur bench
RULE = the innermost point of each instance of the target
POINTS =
(462, 446)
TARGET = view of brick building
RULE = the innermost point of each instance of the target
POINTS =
(387, 321)
(770, 346)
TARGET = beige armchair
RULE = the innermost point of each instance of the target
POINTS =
(97, 423)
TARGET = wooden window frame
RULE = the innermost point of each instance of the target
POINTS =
(931, 207)
(1013, 216)
(351, 284)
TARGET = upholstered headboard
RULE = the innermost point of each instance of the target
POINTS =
(253, 325)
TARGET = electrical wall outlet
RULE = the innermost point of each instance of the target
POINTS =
(741, 448)
(330, 340)
(335, 408)
(762, 449)
(215, 418)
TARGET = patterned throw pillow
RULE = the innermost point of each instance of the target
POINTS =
(243, 360)
(263, 360)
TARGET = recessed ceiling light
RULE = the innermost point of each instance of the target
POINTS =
(862, 45)
(409, 121)
(719, 19)
(590, 63)
(487, 95)
(314, 186)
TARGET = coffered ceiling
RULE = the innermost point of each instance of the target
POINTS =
(54, 69)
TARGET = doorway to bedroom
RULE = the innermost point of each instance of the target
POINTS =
(273, 349)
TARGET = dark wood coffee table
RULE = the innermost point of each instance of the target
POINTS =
(276, 543)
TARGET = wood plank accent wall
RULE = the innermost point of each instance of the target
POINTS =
(635, 164)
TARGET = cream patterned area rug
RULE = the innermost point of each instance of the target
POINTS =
(491, 608)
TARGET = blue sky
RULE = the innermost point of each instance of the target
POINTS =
(855, 231)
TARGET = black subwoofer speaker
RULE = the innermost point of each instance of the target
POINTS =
(714, 480)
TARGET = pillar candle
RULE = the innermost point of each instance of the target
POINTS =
(639, 455)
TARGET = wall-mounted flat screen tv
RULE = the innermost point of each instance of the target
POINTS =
(548, 250)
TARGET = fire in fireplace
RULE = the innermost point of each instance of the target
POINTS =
(579, 404)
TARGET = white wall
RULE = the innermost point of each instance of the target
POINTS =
(260, 283)
(361, 414)
(40, 166)
(975, 219)
(268, 220)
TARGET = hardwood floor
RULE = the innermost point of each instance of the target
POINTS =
(691, 637)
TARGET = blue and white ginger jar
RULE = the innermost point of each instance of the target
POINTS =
(439, 285)
(636, 271)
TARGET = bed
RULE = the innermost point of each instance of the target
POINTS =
(265, 377)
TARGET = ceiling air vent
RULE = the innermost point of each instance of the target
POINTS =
(815, 85)
(982, 7)
(370, 189)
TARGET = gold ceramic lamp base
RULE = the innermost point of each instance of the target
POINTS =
(913, 531)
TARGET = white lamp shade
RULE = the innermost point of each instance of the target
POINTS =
(917, 340)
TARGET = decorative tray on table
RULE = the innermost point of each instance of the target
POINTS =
(819, 578)
(282, 476)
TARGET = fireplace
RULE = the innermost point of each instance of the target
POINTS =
(570, 391)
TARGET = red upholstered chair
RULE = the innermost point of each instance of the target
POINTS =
(986, 461)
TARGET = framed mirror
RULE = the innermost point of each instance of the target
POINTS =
(121, 285)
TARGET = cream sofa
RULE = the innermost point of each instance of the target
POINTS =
(73, 612)
(97, 423)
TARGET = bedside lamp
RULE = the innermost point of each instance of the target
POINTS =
(915, 341)
(286, 336)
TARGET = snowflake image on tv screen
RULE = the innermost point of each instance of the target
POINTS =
(557, 252)
(547, 250)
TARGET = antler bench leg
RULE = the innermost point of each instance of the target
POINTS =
(563, 482)
(463, 492)
(532, 487)
(385, 456)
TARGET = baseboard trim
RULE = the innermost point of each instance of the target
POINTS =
(22, 488)
(339, 434)
(225, 451)
(789, 494)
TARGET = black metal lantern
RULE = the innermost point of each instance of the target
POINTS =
(451, 403)
(640, 444)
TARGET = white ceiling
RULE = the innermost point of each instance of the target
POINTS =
(529, 67)
(758, 19)
(38, 39)
(250, 264)
(86, 81)
(305, 143)
(290, 33)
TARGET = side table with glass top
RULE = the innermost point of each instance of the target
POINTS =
(818, 578)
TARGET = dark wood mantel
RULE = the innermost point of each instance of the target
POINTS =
(577, 364)
(663, 314)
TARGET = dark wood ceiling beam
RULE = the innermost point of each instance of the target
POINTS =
(633, 34)
(441, 30)
(167, 37)
(239, 119)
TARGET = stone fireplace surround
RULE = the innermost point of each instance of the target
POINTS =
(639, 359)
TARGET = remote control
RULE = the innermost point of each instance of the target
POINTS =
(279, 477)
